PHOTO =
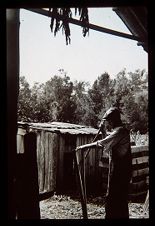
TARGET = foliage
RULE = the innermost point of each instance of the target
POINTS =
(59, 99)
(24, 100)
(101, 95)
(58, 92)
(84, 112)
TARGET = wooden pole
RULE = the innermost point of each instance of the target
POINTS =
(92, 141)
(12, 37)
(82, 179)
(82, 192)
(83, 172)
(91, 26)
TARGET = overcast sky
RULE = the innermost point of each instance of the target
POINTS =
(42, 54)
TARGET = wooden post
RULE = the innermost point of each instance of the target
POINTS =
(27, 180)
(12, 29)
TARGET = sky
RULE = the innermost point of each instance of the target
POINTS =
(42, 54)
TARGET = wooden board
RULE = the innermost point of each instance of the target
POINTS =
(139, 160)
(140, 172)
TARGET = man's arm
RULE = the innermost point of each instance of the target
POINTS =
(85, 146)
(110, 140)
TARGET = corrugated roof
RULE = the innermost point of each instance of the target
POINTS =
(60, 127)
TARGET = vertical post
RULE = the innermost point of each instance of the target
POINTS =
(27, 188)
(12, 29)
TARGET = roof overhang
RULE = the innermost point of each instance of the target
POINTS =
(135, 18)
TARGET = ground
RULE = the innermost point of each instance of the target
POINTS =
(65, 207)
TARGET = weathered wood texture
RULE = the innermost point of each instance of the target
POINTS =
(56, 166)
(47, 148)
(140, 174)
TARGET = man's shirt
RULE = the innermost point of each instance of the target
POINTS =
(117, 146)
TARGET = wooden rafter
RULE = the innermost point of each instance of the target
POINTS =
(91, 26)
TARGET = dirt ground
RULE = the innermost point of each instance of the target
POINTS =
(65, 207)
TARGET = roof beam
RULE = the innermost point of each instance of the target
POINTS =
(91, 26)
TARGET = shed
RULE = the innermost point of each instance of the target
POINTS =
(56, 142)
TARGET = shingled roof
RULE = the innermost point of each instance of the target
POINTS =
(59, 127)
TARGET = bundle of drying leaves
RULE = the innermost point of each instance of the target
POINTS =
(59, 20)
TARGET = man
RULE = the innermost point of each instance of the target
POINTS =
(117, 144)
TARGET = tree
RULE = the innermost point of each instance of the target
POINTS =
(24, 100)
(39, 103)
(58, 93)
(83, 111)
(131, 95)
(59, 99)
(101, 95)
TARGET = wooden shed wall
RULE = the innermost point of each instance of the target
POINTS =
(47, 146)
(92, 170)
(56, 168)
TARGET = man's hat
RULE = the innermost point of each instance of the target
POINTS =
(113, 112)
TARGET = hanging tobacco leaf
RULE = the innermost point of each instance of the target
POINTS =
(84, 18)
(57, 23)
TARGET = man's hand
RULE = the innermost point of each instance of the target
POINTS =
(81, 147)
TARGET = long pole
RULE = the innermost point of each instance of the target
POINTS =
(82, 179)
(93, 141)
(82, 192)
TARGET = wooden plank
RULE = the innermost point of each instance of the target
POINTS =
(140, 172)
(140, 160)
(42, 161)
(38, 159)
(61, 159)
(135, 149)
(53, 151)
(140, 154)
(50, 150)
(20, 144)
(46, 152)
(140, 166)
(56, 138)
